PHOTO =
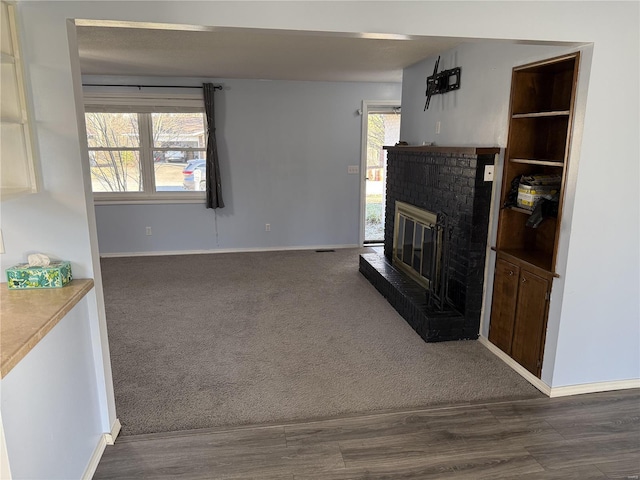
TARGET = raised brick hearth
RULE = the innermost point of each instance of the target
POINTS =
(447, 180)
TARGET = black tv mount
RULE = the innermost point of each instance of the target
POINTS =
(443, 82)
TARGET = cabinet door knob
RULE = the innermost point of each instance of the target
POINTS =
(524, 279)
(510, 273)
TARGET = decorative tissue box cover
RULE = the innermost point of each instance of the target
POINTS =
(55, 275)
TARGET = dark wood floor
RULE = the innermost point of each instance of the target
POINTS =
(581, 437)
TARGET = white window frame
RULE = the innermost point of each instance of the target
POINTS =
(145, 103)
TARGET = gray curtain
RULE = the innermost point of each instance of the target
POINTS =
(214, 186)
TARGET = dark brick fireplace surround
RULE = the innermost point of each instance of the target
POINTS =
(447, 180)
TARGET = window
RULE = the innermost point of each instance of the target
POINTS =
(146, 153)
(114, 152)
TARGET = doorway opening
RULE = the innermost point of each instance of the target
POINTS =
(381, 126)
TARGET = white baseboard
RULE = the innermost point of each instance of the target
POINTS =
(110, 438)
(594, 387)
(105, 439)
(95, 458)
(565, 391)
(528, 376)
(225, 250)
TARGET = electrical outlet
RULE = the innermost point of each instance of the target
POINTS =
(267, 227)
(353, 168)
(488, 173)
(148, 230)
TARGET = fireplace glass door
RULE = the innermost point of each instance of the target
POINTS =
(416, 245)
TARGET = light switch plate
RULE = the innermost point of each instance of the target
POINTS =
(353, 169)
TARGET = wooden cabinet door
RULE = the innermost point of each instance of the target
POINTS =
(531, 320)
(503, 309)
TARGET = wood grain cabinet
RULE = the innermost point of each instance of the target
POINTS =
(540, 127)
(530, 322)
(503, 309)
(519, 312)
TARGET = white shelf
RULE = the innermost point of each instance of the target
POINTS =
(6, 58)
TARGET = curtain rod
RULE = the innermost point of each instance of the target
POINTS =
(140, 87)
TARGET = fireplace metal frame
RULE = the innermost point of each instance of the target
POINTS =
(439, 296)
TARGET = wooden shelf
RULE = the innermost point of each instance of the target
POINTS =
(520, 210)
(555, 113)
(542, 163)
(534, 258)
(526, 212)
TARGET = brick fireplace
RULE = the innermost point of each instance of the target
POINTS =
(447, 181)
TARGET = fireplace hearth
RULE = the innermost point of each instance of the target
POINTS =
(436, 227)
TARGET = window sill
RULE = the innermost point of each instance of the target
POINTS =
(150, 200)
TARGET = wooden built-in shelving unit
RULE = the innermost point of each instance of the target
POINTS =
(540, 120)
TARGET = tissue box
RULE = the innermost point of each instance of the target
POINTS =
(55, 275)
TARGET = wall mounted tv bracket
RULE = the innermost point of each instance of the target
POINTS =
(443, 82)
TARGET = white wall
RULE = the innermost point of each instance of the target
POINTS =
(50, 407)
(477, 113)
(599, 331)
(284, 148)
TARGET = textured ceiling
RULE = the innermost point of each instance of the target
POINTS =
(252, 53)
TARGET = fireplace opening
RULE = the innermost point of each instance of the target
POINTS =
(419, 249)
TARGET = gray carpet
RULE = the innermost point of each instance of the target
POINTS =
(228, 339)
